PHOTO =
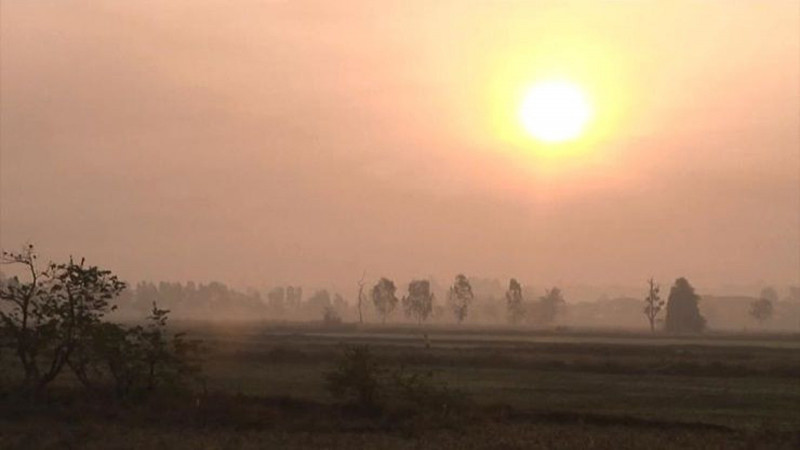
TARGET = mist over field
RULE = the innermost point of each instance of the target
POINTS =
(303, 142)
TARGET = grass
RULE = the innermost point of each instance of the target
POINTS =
(545, 390)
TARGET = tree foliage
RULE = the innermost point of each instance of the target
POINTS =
(55, 319)
(653, 304)
(683, 311)
(761, 310)
(140, 359)
(460, 297)
(515, 304)
(53, 314)
(362, 380)
(769, 293)
(419, 301)
(384, 298)
(357, 378)
(550, 305)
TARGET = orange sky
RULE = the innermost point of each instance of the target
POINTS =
(260, 142)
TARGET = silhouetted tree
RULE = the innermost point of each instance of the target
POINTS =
(330, 316)
(294, 296)
(361, 297)
(383, 297)
(769, 293)
(317, 303)
(652, 304)
(138, 359)
(53, 314)
(339, 301)
(761, 310)
(794, 294)
(276, 300)
(683, 312)
(515, 304)
(550, 305)
(460, 297)
(419, 301)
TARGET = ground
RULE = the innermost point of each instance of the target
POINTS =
(265, 388)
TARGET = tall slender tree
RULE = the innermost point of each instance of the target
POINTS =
(383, 297)
(515, 304)
(550, 305)
(460, 297)
(419, 301)
(653, 303)
(361, 297)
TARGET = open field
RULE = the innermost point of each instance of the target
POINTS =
(526, 389)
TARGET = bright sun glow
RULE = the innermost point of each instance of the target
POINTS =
(554, 111)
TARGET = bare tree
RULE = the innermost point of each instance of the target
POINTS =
(653, 303)
(361, 296)
(460, 297)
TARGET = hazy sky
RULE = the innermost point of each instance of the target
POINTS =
(259, 142)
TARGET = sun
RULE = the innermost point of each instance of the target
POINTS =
(555, 111)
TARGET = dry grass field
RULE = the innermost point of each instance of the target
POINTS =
(265, 388)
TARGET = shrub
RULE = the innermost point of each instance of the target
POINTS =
(357, 378)
(364, 382)
(140, 359)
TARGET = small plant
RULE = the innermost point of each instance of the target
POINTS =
(424, 394)
(357, 379)
(364, 382)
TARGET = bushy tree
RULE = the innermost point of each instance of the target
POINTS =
(460, 297)
(794, 294)
(761, 310)
(318, 302)
(653, 304)
(419, 301)
(330, 316)
(683, 311)
(515, 304)
(53, 314)
(384, 298)
(550, 305)
(294, 296)
(55, 319)
(769, 293)
(276, 300)
(140, 359)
